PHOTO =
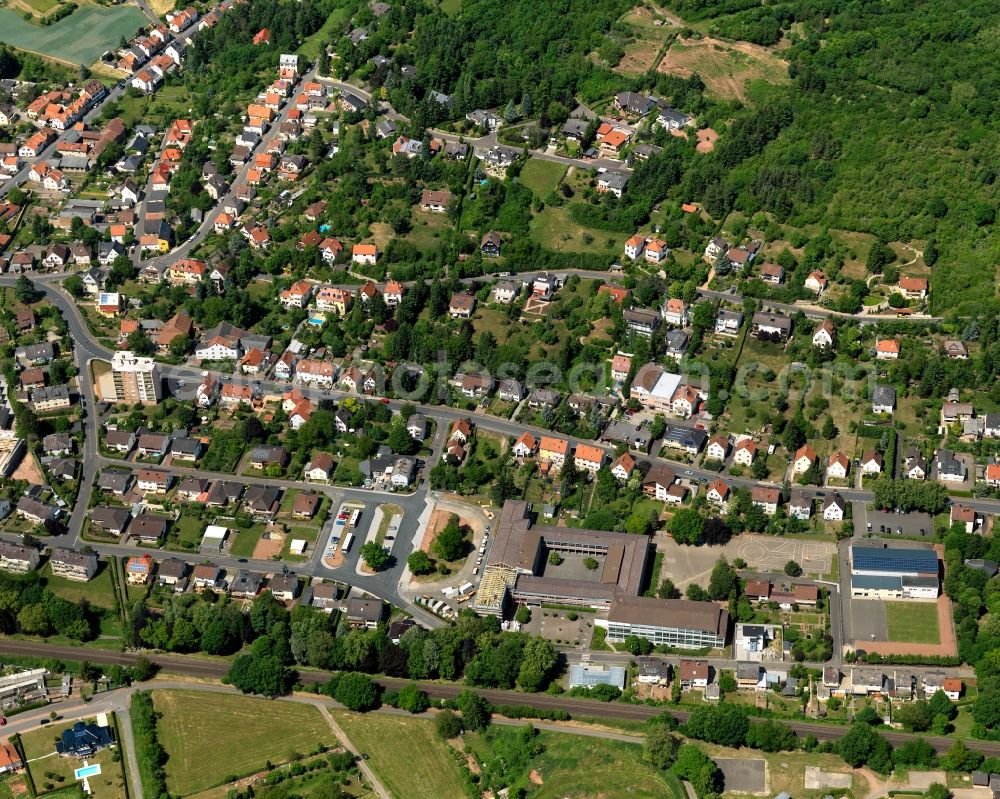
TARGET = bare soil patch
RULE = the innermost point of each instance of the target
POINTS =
(725, 67)
(269, 548)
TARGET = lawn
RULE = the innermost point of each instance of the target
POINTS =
(244, 541)
(57, 772)
(99, 591)
(575, 767)
(187, 533)
(405, 754)
(80, 38)
(541, 176)
(212, 737)
(913, 622)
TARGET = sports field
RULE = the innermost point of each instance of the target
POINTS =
(80, 38)
(211, 738)
(913, 622)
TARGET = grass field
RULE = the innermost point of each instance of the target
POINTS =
(542, 176)
(211, 737)
(80, 38)
(58, 771)
(553, 229)
(310, 47)
(405, 754)
(572, 767)
(98, 591)
(913, 622)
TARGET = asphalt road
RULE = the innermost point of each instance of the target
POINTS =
(578, 708)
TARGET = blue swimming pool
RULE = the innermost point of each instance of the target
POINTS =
(88, 771)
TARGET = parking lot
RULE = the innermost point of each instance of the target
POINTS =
(340, 527)
(876, 522)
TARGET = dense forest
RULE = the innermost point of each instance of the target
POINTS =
(887, 128)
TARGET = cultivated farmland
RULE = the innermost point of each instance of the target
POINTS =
(80, 38)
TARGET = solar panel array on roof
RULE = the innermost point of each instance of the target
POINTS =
(891, 559)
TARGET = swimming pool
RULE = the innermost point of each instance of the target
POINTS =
(87, 771)
(317, 321)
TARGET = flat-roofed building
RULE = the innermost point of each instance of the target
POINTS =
(518, 569)
(667, 622)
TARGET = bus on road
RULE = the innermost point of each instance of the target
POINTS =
(346, 546)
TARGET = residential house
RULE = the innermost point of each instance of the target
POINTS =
(621, 365)
(800, 506)
(206, 575)
(871, 463)
(914, 464)
(744, 452)
(525, 446)
(770, 326)
(462, 305)
(718, 492)
(913, 288)
(641, 321)
(956, 349)
(490, 244)
(838, 466)
(693, 674)
(883, 399)
(718, 448)
(264, 455)
(766, 498)
(261, 500)
(110, 519)
(824, 334)
(674, 312)
(153, 480)
(816, 282)
(623, 467)
(728, 323)
(589, 458)
(510, 390)
(320, 467)
(553, 450)
(887, 349)
(139, 570)
(834, 507)
(949, 468)
(805, 457)
(416, 426)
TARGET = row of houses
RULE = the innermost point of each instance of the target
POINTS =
(800, 505)
(66, 563)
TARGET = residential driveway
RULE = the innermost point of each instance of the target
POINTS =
(743, 776)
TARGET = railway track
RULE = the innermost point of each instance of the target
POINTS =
(193, 666)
